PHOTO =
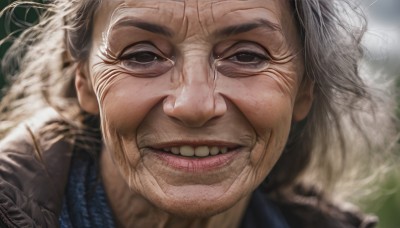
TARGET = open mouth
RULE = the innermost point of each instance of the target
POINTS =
(200, 151)
(197, 157)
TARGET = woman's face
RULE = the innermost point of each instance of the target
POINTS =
(196, 97)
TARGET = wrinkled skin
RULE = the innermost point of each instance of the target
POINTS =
(194, 81)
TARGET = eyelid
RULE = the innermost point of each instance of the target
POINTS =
(244, 47)
(143, 46)
(144, 69)
(255, 54)
(226, 65)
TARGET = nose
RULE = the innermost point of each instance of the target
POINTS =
(195, 101)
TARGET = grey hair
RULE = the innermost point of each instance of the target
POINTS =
(332, 52)
(331, 49)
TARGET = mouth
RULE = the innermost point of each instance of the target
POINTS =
(200, 151)
(197, 157)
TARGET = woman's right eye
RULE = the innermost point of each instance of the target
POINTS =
(142, 57)
(145, 61)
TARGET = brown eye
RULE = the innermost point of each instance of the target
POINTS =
(142, 57)
(247, 57)
(242, 64)
(145, 63)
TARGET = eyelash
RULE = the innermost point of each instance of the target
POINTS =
(136, 55)
(244, 54)
(156, 57)
(239, 60)
(253, 55)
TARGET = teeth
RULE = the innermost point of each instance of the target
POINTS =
(187, 151)
(175, 150)
(224, 150)
(200, 151)
(214, 150)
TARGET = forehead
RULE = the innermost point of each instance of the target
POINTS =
(196, 15)
(193, 6)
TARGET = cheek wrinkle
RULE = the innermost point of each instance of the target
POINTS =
(103, 79)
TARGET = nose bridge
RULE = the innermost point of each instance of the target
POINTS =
(194, 101)
(195, 70)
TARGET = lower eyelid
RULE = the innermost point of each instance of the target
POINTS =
(149, 66)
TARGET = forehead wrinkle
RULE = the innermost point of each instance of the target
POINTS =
(113, 20)
(212, 12)
(271, 19)
(202, 25)
(239, 6)
(120, 18)
(117, 14)
(245, 27)
(151, 27)
(184, 21)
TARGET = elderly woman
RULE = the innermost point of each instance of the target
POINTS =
(187, 113)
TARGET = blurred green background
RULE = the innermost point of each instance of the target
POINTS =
(382, 55)
(382, 49)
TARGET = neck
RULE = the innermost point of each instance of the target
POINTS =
(132, 210)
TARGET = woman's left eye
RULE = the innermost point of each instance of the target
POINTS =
(243, 62)
(247, 57)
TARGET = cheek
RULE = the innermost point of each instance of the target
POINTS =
(124, 102)
(266, 101)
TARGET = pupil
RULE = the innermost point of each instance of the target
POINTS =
(245, 57)
(145, 57)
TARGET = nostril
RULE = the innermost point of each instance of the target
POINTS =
(168, 105)
(194, 105)
(194, 115)
(220, 105)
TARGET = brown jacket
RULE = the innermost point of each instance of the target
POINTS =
(32, 188)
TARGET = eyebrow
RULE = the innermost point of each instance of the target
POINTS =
(224, 32)
(154, 28)
(242, 28)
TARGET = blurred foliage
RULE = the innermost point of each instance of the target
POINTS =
(13, 24)
(386, 203)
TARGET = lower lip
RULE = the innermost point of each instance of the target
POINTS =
(196, 164)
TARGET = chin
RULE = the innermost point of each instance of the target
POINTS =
(196, 205)
(194, 210)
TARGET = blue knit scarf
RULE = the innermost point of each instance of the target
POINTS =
(85, 204)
